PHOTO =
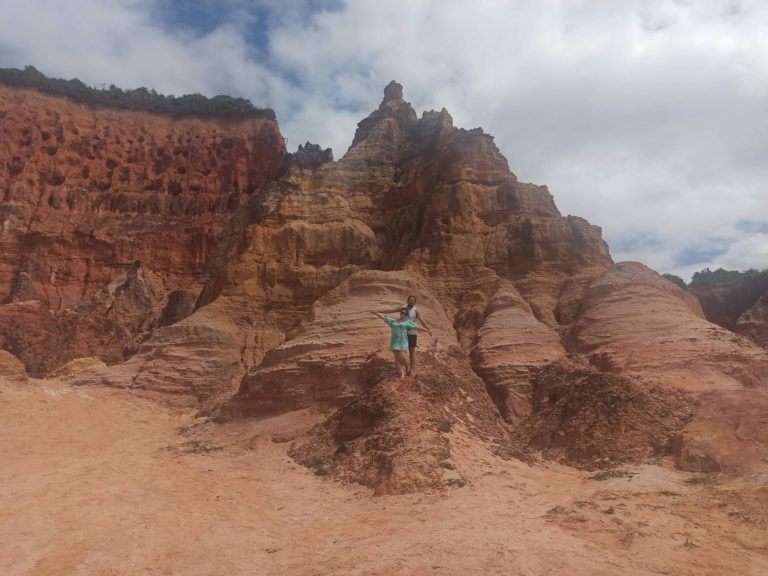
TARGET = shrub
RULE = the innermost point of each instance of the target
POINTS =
(612, 473)
(143, 99)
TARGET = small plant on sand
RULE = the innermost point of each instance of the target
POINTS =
(615, 460)
(342, 449)
(609, 510)
(505, 451)
(443, 425)
(447, 466)
(700, 480)
(456, 482)
(669, 493)
(612, 473)
(195, 447)
(320, 471)
(313, 461)
(443, 455)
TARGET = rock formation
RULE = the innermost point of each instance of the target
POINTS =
(105, 213)
(11, 368)
(754, 322)
(248, 291)
(737, 301)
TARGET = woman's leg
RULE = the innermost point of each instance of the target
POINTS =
(400, 363)
(397, 361)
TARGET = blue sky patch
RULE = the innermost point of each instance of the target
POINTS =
(637, 242)
(752, 227)
(204, 16)
(699, 254)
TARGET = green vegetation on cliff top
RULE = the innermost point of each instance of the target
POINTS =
(719, 277)
(142, 99)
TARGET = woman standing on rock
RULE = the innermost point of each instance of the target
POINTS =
(398, 342)
(415, 317)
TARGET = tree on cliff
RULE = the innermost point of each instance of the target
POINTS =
(139, 99)
(675, 280)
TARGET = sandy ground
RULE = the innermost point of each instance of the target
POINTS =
(94, 481)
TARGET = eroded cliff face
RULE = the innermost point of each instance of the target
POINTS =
(740, 305)
(438, 205)
(275, 312)
(106, 213)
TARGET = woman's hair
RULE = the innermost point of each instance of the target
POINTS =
(404, 311)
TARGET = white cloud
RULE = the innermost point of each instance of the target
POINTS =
(645, 117)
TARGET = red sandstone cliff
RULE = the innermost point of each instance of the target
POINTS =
(109, 216)
(522, 301)
(737, 301)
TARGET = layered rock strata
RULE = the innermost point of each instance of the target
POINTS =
(739, 304)
(105, 213)
(511, 289)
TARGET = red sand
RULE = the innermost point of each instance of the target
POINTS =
(89, 486)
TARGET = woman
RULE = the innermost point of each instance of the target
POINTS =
(416, 317)
(398, 341)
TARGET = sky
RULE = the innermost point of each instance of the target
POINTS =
(649, 118)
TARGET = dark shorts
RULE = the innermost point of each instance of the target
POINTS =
(412, 341)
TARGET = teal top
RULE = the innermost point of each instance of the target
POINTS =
(399, 340)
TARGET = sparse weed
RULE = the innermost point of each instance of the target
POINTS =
(342, 449)
(195, 447)
(612, 473)
(507, 452)
(615, 460)
(313, 462)
(447, 466)
(443, 425)
(609, 510)
(699, 480)
(669, 493)
(555, 510)
(456, 482)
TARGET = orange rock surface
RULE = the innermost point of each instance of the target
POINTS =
(105, 212)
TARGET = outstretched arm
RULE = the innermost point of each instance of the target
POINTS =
(423, 322)
(389, 321)
(390, 311)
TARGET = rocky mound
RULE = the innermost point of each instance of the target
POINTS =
(11, 368)
(395, 436)
(75, 367)
(589, 418)
(635, 323)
